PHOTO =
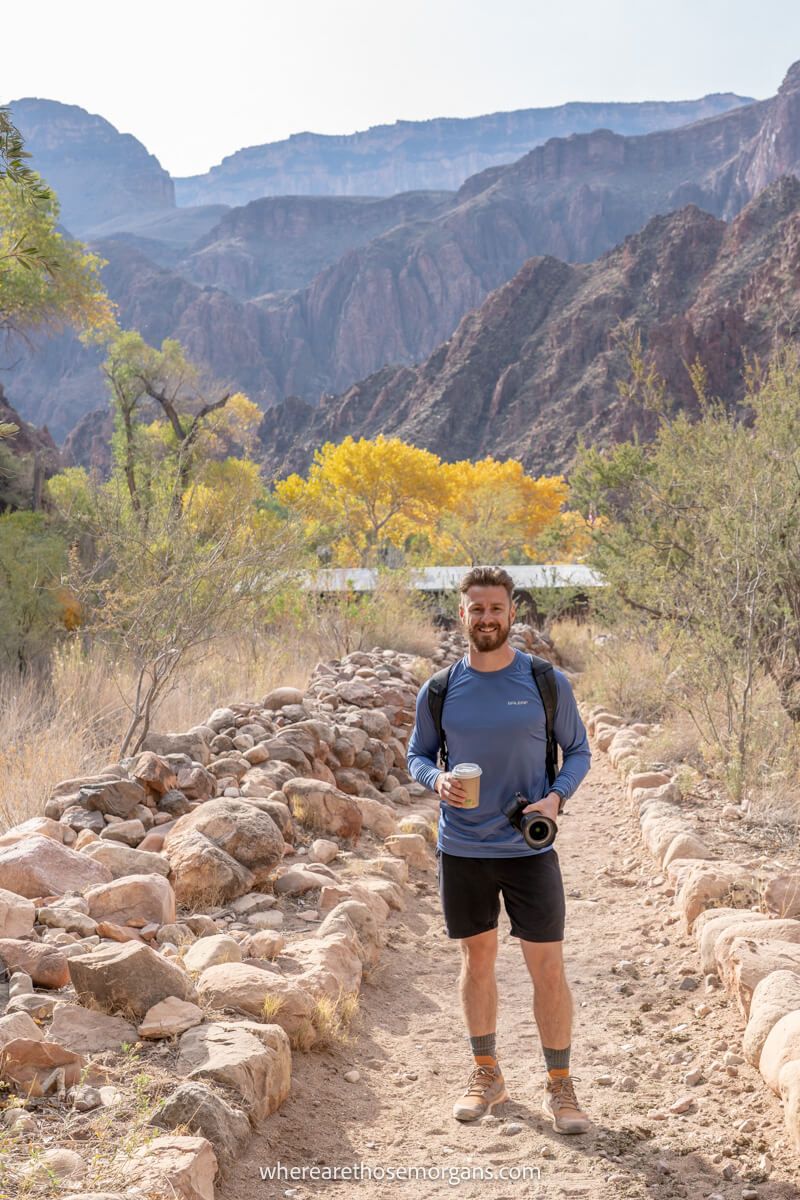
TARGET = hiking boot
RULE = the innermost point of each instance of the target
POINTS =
(561, 1106)
(485, 1088)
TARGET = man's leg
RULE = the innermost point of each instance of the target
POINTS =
(552, 1010)
(478, 990)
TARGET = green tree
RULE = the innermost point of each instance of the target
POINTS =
(33, 559)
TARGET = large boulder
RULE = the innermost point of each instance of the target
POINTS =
(255, 1064)
(331, 964)
(194, 1106)
(86, 1031)
(708, 926)
(773, 997)
(264, 994)
(789, 1083)
(17, 915)
(748, 960)
(117, 797)
(782, 1046)
(29, 1065)
(128, 978)
(323, 808)
(782, 894)
(133, 899)
(193, 744)
(767, 930)
(172, 1168)
(44, 962)
(203, 873)
(378, 818)
(40, 866)
(43, 826)
(711, 884)
(156, 773)
(18, 1025)
(125, 860)
(240, 831)
(209, 951)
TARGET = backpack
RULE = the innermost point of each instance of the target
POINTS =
(545, 681)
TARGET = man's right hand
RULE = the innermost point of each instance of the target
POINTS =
(451, 790)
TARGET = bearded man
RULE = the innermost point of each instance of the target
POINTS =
(494, 715)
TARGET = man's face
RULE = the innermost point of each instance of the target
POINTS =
(487, 614)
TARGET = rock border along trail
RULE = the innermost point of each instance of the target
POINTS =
(218, 894)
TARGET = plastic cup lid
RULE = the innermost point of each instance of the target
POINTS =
(467, 769)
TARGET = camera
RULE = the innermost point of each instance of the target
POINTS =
(538, 830)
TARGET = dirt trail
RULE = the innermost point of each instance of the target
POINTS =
(413, 1057)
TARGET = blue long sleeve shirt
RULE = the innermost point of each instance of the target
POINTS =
(497, 719)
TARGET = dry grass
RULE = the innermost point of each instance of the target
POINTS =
(332, 1018)
(70, 722)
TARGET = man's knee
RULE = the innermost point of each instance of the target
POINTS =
(545, 962)
(479, 953)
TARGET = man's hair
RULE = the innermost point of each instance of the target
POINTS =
(487, 577)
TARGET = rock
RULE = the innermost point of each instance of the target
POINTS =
(18, 1025)
(40, 866)
(124, 860)
(686, 845)
(352, 915)
(257, 1068)
(644, 781)
(45, 964)
(331, 964)
(37, 1067)
(174, 803)
(391, 893)
(85, 1031)
(42, 826)
(266, 920)
(155, 772)
(378, 818)
(172, 1167)
(320, 806)
(279, 697)
(169, 1018)
(116, 797)
(749, 960)
(128, 833)
(412, 847)
(773, 997)
(706, 885)
(203, 873)
(57, 1164)
(789, 1083)
(38, 1007)
(713, 922)
(333, 894)
(192, 744)
(196, 1107)
(196, 783)
(262, 994)
(67, 919)
(241, 832)
(209, 951)
(782, 894)
(243, 906)
(129, 978)
(266, 943)
(17, 915)
(351, 1076)
(782, 1046)
(682, 1104)
(133, 899)
(321, 850)
(20, 984)
(299, 879)
(395, 869)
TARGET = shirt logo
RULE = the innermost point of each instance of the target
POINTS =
(517, 702)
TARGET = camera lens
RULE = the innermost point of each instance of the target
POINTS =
(538, 831)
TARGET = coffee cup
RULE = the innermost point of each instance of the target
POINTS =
(469, 774)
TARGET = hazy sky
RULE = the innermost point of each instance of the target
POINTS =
(195, 80)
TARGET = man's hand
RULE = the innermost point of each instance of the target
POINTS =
(451, 790)
(548, 806)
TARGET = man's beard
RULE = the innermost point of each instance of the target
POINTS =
(489, 640)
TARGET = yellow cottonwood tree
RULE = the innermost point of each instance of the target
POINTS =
(361, 496)
(494, 510)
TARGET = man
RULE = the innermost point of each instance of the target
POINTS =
(493, 715)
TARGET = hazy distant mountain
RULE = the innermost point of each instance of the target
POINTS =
(537, 365)
(415, 155)
(97, 172)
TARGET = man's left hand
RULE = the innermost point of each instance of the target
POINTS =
(548, 806)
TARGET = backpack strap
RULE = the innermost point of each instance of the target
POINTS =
(437, 690)
(545, 680)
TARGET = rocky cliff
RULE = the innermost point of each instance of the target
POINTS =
(537, 366)
(97, 172)
(431, 155)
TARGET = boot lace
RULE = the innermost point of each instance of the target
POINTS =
(563, 1091)
(479, 1080)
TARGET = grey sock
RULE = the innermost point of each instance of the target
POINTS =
(556, 1059)
(484, 1045)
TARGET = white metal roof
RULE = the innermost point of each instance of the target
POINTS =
(442, 579)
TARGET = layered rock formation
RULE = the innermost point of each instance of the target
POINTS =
(409, 155)
(97, 172)
(538, 364)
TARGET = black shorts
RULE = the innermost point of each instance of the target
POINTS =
(530, 884)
